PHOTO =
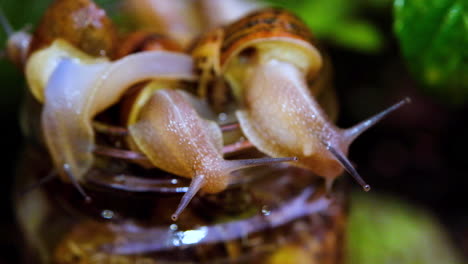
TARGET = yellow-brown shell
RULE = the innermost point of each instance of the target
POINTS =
(206, 55)
(276, 31)
(81, 22)
(266, 24)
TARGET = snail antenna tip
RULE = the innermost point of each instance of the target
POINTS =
(348, 167)
(233, 165)
(352, 133)
(197, 182)
(76, 184)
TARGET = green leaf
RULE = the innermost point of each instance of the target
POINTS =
(387, 230)
(433, 36)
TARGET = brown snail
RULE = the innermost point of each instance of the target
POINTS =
(165, 126)
(268, 58)
(176, 139)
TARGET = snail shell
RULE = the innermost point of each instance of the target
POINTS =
(80, 22)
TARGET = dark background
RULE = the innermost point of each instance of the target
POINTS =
(418, 154)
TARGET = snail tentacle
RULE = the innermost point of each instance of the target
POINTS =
(237, 146)
(5, 23)
(344, 161)
(233, 165)
(120, 153)
(73, 179)
(197, 183)
(109, 129)
(352, 133)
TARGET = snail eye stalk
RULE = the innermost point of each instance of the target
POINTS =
(348, 167)
(6, 25)
(352, 133)
(76, 184)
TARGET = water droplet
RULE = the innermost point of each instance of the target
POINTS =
(222, 117)
(366, 187)
(119, 178)
(173, 227)
(107, 214)
(266, 210)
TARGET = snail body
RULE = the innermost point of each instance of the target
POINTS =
(177, 140)
(269, 58)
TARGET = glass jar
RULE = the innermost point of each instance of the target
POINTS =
(271, 214)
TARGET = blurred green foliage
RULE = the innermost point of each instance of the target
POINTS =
(387, 230)
(433, 36)
(338, 21)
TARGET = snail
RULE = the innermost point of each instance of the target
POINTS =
(176, 139)
(268, 58)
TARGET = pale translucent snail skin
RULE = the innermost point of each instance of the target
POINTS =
(176, 139)
(300, 127)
